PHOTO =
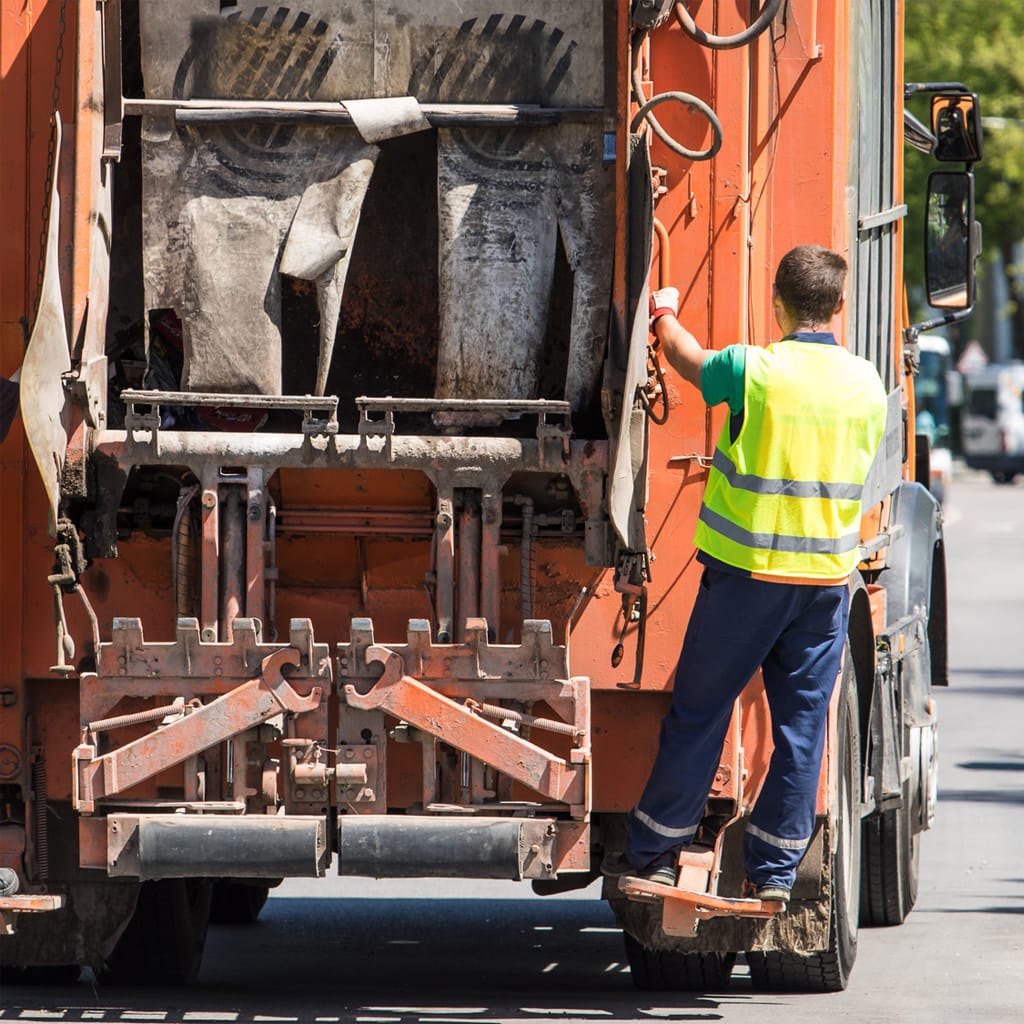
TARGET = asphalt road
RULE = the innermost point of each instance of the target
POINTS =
(446, 953)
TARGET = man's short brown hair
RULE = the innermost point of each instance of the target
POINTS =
(810, 281)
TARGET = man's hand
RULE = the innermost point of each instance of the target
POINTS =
(680, 347)
(664, 301)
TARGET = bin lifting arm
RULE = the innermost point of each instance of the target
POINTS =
(246, 706)
(411, 701)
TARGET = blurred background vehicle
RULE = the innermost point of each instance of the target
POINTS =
(937, 392)
(993, 421)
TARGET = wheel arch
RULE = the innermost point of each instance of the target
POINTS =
(914, 578)
(861, 637)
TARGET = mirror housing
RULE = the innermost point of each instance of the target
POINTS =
(954, 135)
(956, 125)
(951, 240)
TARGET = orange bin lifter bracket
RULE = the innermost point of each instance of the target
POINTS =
(448, 693)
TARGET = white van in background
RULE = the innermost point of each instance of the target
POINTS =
(993, 421)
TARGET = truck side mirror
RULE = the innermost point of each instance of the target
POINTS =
(952, 240)
(956, 125)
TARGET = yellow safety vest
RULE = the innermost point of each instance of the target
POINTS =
(784, 499)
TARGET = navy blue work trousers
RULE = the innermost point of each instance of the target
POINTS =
(795, 634)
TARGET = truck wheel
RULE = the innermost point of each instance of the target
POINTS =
(237, 902)
(1002, 476)
(890, 865)
(163, 943)
(829, 970)
(663, 970)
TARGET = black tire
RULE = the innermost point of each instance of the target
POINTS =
(237, 902)
(163, 943)
(829, 970)
(1003, 476)
(659, 970)
(890, 866)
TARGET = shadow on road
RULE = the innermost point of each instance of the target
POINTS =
(398, 961)
(982, 796)
(993, 766)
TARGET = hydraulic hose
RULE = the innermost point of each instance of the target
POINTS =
(748, 35)
(646, 108)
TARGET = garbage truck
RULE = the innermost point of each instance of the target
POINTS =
(347, 518)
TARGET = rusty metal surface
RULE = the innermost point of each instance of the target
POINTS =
(29, 903)
(537, 668)
(407, 121)
(205, 726)
(132, 666)
(683, 910)
(485, 463)
(11, 906)
(410, 700)
(225, 689)
(146, 446)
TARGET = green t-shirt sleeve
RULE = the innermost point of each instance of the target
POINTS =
(721, 377)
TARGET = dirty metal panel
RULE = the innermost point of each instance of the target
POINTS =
(445, 51)
(43, 402)
(229, 208)
(197, 846)
(510, 200)
(217, 198)
(406, 846)
(507, 200)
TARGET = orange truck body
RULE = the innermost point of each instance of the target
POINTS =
(413, 607)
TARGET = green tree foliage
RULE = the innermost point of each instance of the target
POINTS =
(979, 43)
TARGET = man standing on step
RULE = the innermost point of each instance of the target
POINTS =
(777, 534)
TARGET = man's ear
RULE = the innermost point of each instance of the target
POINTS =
(840, 304)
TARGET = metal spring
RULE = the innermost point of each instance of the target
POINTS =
(493, 711)
(123, 721)
(39, 820)
(181, 551)
(526, 569)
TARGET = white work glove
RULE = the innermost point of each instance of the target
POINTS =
(663, 302)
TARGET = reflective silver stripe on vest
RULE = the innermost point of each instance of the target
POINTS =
(783, 488)
(777, 841)
(664, 830)
(779, 541)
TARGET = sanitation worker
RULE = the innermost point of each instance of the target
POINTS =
(777, 535)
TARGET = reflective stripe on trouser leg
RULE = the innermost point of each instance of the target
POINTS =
(799, 675)
(734, 624)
